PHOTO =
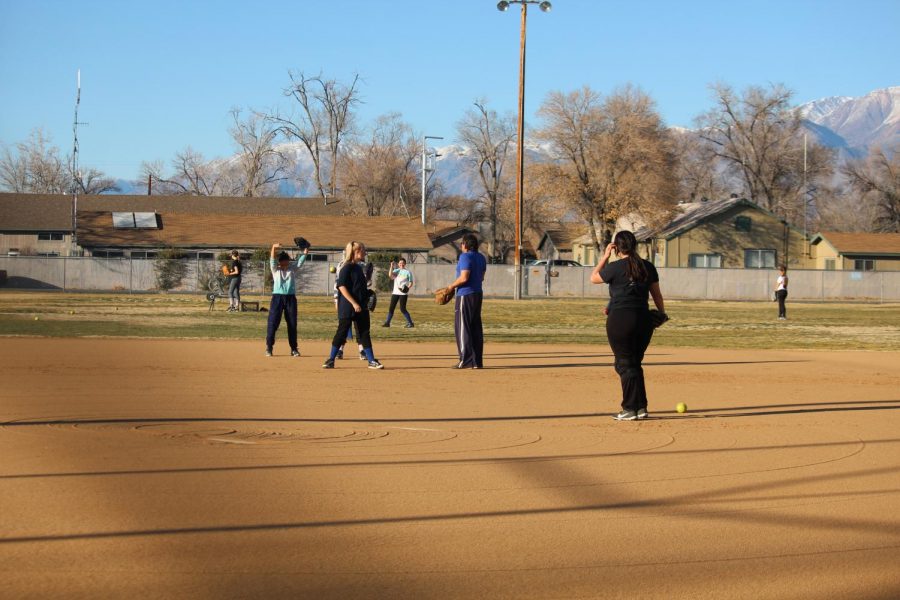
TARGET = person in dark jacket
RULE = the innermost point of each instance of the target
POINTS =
(629, 329)
(352, 305)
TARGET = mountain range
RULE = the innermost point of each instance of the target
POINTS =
(852, 126)
(856, 126)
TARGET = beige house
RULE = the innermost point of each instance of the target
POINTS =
(36, 224)
(584, 251)
(734, 233)
(837, 251)
(557, 241)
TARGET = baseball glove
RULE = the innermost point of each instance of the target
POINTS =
(404, 288)
(658, 317)
(444, 295)
(302, 243)
(371, 300)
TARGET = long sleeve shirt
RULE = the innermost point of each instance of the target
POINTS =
(285, 282)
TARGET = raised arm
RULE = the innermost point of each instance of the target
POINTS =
(595, 274)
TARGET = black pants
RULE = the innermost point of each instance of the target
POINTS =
(395, 298)
(361, 319)
(468, 329)
(629, 332)
(234, 291)
(287, 304)
(781, 295)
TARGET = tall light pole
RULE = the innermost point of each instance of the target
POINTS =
(520, 170)
(425, 169)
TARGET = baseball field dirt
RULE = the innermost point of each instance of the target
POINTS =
(181, 468)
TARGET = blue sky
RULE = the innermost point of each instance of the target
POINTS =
(159, 76)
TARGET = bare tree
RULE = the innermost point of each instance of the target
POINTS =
(93, 181)
(326, 119)
(378, 170)
(758, 136)
(192, 176)
(698, 177)
(837, 210)
(612, 157)
(260, 164)
(876, 181)
(490, 138)
(36, 167)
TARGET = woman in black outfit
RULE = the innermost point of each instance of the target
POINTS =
(628, 327)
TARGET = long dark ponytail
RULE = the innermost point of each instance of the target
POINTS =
(626, 244)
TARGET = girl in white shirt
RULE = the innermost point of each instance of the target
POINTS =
(781, 291)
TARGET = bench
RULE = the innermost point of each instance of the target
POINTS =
(245, 306)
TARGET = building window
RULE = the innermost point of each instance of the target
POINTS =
(108, 254)
(759, 259)
(829, 264)
(142, 254)
(48, 254)
(864, 264)
(705, 261)
(743, 223)
(50, 236)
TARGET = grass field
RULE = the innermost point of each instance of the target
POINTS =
(741, 325)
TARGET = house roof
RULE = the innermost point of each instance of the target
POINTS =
(861, 243)
(691, 215)
(444, 232)
(194, 230)
(35, 212)
(53, 212)
(214, 205)
(562, 236)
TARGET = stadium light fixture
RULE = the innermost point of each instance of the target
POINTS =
(545, 6)
(425, 169)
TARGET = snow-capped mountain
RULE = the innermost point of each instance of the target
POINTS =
(853, 126)
(862, 123)
(817, 110)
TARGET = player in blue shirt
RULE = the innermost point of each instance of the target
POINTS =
(470, 271)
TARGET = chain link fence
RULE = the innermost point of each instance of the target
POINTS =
(139, 276)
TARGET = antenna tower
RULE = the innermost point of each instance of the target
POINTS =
(76, 174)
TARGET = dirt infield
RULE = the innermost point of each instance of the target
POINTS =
(202, 469)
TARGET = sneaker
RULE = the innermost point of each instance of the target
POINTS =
(386, 325)
(295, 353)
(458, 365)
(409, 326)
(268, 352)
(362, 355)
(625, 415)
(340, 354)
(374, 364)
(642, 413)
(328, 364)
